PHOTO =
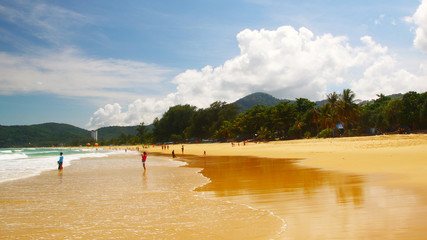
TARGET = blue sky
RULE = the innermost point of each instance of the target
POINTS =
(102, 63)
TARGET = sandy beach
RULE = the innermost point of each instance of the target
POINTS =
(344, 188)
(403, 156)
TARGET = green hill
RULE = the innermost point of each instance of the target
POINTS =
(40, 135)
(55, 134)
(256, 99)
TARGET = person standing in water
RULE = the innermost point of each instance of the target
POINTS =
(60, 161)
(144, 158)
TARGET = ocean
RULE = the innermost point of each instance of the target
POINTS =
(27, 162)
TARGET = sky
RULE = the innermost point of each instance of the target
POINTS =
(120, 63)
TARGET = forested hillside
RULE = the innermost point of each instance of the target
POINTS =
(47, 134)
(339, 115)
(57, 134)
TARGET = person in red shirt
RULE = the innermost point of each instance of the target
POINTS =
(144, 158)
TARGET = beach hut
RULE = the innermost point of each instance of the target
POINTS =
(340, 128)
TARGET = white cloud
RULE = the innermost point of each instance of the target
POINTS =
(286, 62)
(139, 111)
(70, 75)
(420, 20)
(384, 76)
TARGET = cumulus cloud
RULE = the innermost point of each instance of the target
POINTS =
(420, 20)
(137, 112)
(384, 76)
(382, 73)
(285, 62)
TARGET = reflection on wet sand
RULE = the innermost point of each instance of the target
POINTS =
(113, 198)
(316, 204)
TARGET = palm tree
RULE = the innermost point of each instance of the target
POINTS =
(314, 116)
(299, 124)
(333, 99)
(326, 118)
(347, 109)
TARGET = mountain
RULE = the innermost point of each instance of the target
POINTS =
(254, 99)
(46, 134)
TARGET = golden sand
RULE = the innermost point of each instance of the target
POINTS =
(403, 156)
(344, 188)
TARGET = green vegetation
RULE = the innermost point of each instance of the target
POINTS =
(187, 122)
(107, 133)
(55, 134)
(47, 134)
(338, 115)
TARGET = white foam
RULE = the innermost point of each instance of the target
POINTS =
(5, 151)
(11, 156)
(17, 164)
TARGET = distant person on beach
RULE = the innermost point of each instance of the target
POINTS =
(182, 149)
(60, 161)
(144, 158)
(173, 153)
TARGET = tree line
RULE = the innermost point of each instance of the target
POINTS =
(340, 116)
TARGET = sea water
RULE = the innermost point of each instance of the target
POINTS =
(27, 162)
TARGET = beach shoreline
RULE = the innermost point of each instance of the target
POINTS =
(400, 157)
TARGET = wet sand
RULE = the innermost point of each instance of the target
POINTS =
(315, 203)
(345, 188)
(401, 157)
(113, 198)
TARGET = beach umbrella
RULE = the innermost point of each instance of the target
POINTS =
(96, 144)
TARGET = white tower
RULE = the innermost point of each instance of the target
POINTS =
(94, 134)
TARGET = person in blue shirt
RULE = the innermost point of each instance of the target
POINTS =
(60, 161)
